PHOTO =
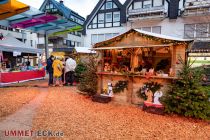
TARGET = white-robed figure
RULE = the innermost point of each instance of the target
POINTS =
(110, 90)
(157, 96)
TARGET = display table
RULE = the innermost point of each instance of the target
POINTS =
(17, 77)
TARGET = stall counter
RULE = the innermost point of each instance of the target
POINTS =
(16, 77)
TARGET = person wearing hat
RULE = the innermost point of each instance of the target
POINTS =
(57, 71)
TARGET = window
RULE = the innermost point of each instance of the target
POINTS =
(109, 5)
(189, 31)
(116, 16)
(201, 30)
(31, 43)
(95, 22)
(102, 8)
(108, 24)
(100, 18)
(108, 17)
(137, 5)
(156, 29)
(108, 36)
(101, 37)
(114, 5)
(94, 39)
(147, 4)
(148, 29)
(157, 3)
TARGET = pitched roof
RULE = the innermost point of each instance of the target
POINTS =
(166, 37)
(97, 8)
(62, 8)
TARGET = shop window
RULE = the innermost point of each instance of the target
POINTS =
(137, 5)
(147, 4)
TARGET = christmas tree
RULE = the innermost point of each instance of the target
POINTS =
(187, 97)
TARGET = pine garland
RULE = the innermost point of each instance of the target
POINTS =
(120, 86)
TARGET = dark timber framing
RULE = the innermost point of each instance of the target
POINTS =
(97, 10)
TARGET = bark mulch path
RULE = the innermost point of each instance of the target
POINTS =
(12, 99)
(80, 118)
(22, 119)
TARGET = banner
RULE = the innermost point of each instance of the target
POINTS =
(16, 53)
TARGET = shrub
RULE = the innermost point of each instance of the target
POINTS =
(187, 97)
(88, 80)
(79, 70)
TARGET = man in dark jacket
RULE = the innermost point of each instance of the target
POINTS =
(49, 69)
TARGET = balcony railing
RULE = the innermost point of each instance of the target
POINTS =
(147, 13)
(197, 8)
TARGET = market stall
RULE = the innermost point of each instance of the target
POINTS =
(136, 60)
(18, 62)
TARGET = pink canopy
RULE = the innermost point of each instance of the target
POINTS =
(34, 21)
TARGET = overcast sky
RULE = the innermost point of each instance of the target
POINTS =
(83, 7)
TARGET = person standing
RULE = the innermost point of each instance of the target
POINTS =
(57, 71)
(69, 71)
(49, 69)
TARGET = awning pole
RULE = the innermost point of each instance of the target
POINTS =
(46, 46)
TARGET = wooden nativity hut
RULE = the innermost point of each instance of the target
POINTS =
(137, 58)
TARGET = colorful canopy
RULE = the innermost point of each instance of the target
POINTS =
(51, 27)
(35, 21)
(3, 1)
(76, 28)
(11, 8)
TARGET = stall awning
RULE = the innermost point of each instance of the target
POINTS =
(200, 47)
(84, 50)
(69, 49)
(127, 47)
(11, 44)
(11, 8)
(35, 21)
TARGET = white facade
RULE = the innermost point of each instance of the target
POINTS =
(96, 35)
(30, 39)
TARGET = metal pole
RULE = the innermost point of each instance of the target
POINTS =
(46, 46)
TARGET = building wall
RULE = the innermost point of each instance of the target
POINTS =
(30, 39)
(90, 32)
